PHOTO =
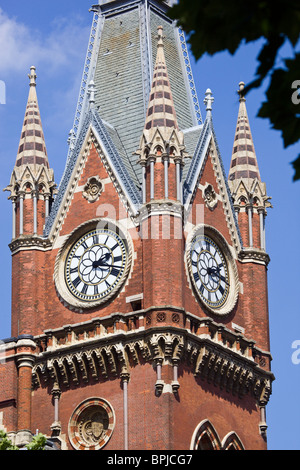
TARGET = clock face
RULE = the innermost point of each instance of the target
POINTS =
(209, 271)
(95, 265)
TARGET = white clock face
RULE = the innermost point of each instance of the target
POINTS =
(95, 265)
(209, 271)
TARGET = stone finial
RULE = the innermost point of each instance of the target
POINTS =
(92, 93)
(160, 36)
(241, 91)
(32, 76)
(208, 100)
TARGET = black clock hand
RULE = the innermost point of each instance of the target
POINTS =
(216, 271)
(101, 260)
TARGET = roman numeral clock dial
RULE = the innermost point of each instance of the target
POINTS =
(210, 272)
(213, 273)
(93, 267)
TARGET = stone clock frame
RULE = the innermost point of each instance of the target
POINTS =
(59, 269)
(218, 238)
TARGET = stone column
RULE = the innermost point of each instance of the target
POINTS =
(25, 359)
(56, 425)
(125, 380)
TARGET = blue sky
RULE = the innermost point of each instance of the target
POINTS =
(53, 36)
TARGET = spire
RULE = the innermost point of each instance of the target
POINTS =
(243, 161)
(31, 177)
(32, 147)
(249, 195)
(161, 110)
(162, 143)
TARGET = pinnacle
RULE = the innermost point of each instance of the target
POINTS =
(243, 161)
(32, 147)
(161, 110)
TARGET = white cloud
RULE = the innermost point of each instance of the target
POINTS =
(57, 47)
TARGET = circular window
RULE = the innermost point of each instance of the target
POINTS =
(91, 424)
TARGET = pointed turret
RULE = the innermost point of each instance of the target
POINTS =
(243, 162)
(161, 110)
(248, 191)
(32, 181)
(162, 143)
(32, 147)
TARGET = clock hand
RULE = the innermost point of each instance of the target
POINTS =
(216, 271)
(100, 261)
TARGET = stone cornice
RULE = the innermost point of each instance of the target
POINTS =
(29, 242)
(103, 349)
(254, 255)
(160, 207)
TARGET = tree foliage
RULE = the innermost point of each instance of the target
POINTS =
(214, 26)
(38, 442)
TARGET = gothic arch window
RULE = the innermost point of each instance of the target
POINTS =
(232, 442)
(158, 150)
(173, 151)
(205, 437)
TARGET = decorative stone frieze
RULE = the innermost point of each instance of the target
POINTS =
(216, 354)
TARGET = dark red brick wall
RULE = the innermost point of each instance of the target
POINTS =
(158, 422)
(159, 272)
(8, 394)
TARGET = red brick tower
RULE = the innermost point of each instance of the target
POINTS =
(251, 201)
(134, 324)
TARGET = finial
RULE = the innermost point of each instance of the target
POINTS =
(71, 139)
(241, 91)
(32, 76)
(208, 100)
(160, 36)
(92, 93)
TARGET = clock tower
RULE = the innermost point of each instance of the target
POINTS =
(139, 298)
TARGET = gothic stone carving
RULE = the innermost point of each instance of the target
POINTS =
(92, 189)
(210, 197)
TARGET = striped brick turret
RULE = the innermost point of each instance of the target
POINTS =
(32, 147)
(248, 191)
(32, 181)
(162, 148)
(243, 161)
(161, 110)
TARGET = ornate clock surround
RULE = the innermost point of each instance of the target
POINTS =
(233, 289)
(61, 259)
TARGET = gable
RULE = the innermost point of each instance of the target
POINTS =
(207, 198)
(94, 157)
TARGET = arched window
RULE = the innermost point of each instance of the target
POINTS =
(205, 437)
(232, 442)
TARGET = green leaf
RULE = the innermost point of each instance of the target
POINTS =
(5, 443)
(282, 107)
(38, 442)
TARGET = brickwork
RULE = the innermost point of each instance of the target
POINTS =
(8, 394)
(165, 422)
(185, 362)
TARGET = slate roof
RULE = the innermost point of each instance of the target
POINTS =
(121, 66)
